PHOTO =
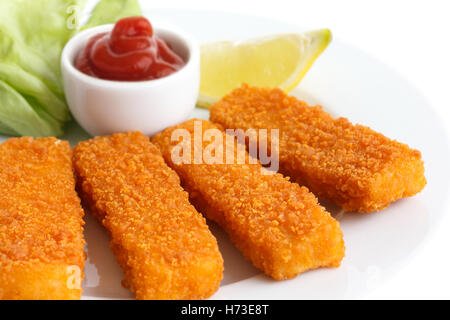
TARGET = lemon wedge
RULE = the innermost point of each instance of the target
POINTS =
(280, 60)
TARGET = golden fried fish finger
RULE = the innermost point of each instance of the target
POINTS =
(161, 242)
(278, 225)
(351, 165)
(41, 221)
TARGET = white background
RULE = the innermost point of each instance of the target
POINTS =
(413, 37)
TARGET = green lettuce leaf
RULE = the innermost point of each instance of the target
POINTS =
(110, 11)
(32, 36)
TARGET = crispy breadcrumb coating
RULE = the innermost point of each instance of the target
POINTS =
(278, 225)
(352, 165)
(161, 242)
(41, 221)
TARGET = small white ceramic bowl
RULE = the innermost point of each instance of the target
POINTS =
(103, 107)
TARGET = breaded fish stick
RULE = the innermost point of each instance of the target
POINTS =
(278, 225)
(351, 165)
(41, 221)
(161, 242)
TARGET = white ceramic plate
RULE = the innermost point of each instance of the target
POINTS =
(348, 83)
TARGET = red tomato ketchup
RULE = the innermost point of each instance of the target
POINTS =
(131, 52)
